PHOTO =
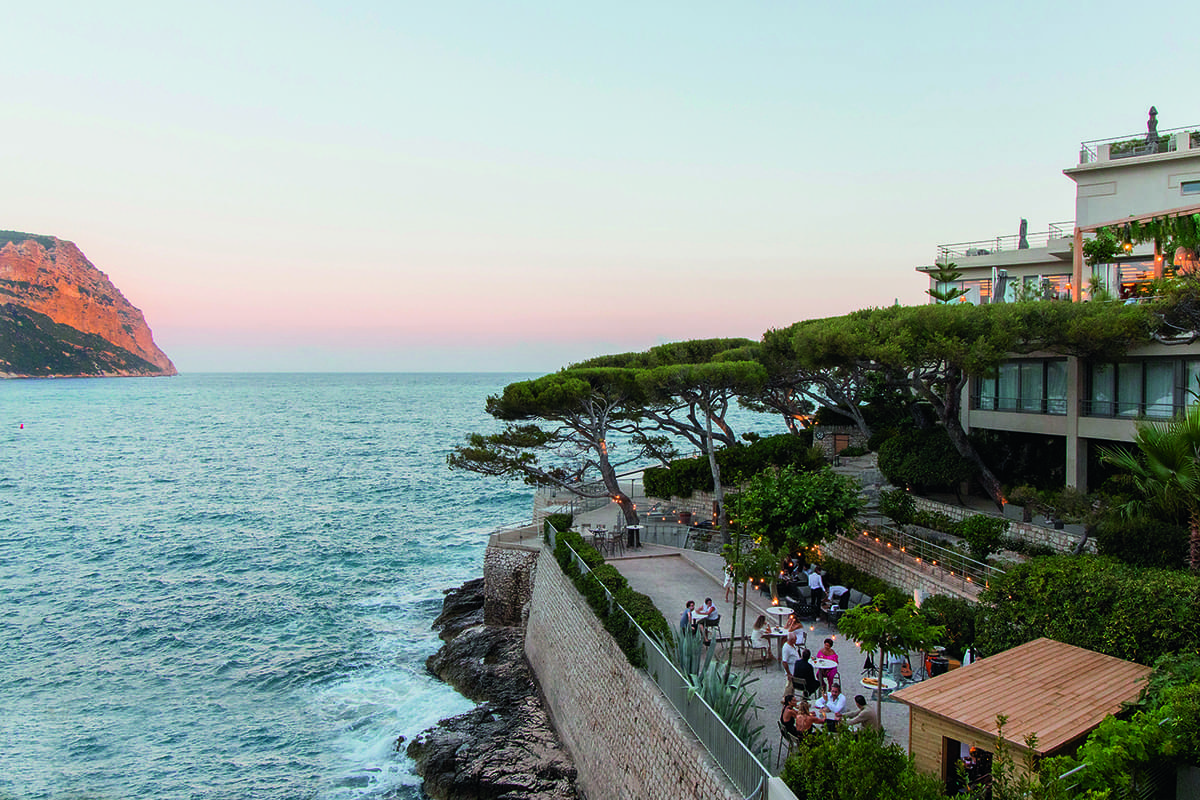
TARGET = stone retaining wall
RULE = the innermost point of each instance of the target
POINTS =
(1063, 541)
(508, 574)
(626, 741)
(899, 570)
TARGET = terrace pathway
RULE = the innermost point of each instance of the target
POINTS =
(671, 577)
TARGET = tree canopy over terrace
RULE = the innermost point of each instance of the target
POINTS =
(687, 389)
(579, 409)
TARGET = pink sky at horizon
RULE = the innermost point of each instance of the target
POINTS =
(401, 186)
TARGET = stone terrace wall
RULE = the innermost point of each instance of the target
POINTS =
(1063, 541)
(626, 741)
(508, 574)
(899, 570)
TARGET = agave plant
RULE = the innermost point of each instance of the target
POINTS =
(732, 700)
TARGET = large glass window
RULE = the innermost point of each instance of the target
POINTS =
(1160, 388)
(1153, 388)
(1129, 389)
(1008, 388)
(1056, 387)
(1191, 386)
(1033, 385)
(1104, 390)
(987, 392)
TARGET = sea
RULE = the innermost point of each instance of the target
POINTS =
(222, 586)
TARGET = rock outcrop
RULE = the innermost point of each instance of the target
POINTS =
(504, 748)
(62, 316)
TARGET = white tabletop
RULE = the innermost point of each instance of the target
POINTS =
(780, 611)
(888, 683)
(824, 663)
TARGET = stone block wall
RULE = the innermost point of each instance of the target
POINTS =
(508, 574)
(828, 437)
(899, 570)
(626, 741)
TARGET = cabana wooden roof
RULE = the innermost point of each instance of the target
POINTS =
(1055, 690)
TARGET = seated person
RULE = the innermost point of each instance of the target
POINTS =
(833, 704)
(863, 716)
(796, 717)
(794, 625)
(686, 621)
(805, 679)
(758, 634)
(706, 616)
(827, 675)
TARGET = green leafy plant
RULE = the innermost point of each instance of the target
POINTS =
(984, 535)
(856, 766)
(730, 696)
(898, 505)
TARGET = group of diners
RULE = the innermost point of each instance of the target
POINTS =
(700, 619)
(799, 717)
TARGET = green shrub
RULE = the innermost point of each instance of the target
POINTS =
(592, 586)
(853, 451)
(561, 521)
(686, 476)
(1129, 612)
(856, 766)
(644, 612)
(898, 505)
(879, 436)
(958, 617)
(984, 535)
(924, 460)
(1143, 541)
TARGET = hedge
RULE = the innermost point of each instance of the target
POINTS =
(686, 476)
(1097, 602)
(603, 576)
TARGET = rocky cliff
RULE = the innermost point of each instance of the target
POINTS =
(505, 748)
(59, 315)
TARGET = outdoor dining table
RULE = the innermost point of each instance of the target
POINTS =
(781, 613)
(824, 663)
(887, 685)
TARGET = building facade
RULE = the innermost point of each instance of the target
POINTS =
(1119, 182)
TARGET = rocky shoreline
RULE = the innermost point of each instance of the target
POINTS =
(505, 748)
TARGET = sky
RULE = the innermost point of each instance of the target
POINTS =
(470, 186)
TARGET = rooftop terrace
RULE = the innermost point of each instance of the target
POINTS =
(1000, 244)
(1139, 144)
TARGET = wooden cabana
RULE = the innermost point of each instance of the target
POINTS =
(1056, 691)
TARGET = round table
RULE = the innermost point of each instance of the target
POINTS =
(781, 613)
(887, 685)
(824, 663)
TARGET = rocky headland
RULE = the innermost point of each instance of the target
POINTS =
(60, 316)
(505, 748)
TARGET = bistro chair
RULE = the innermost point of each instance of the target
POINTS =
(785, 737)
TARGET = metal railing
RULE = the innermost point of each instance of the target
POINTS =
(1119, 409)
(1055, 406)
(1138, 144)
(1000, 244)
(955, 565)
(739, 764)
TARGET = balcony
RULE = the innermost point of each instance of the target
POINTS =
(1134, 145)
(1000, 244)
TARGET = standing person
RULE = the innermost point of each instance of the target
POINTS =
(817, 586)
(789, 657)
(863, 716)
(827, 674)
(728, 581)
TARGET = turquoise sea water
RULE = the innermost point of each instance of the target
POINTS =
(219, 586)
